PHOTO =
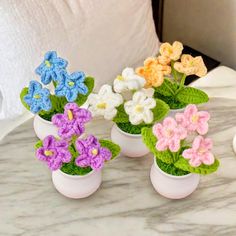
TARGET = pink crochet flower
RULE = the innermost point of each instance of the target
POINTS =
(194, 120)
(169, 135)
(200, 152)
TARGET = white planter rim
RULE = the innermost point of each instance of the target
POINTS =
(43, 120)
(178, 109)
(128, 134)
(76, 176)
(169, 175)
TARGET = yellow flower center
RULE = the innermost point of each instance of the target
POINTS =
(70, 115)
(169, 133)
(170, 50)
(139, 108)
(201, 150)
(95, 152)
(121, 78)
(47, 63)
(195, 118)
(71, 83)
(48, 153)
(102, 105)
(37, 96)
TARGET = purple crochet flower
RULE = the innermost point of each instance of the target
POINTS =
(72, 121)
(54, 152)
(91, 153)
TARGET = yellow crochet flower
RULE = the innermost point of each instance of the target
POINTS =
(173, 52)
(191, 65)
(153, 72)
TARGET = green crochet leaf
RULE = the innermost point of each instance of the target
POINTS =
(121, 116)
(171, 101)
(191, 95)
(114, 148)
(160, 111)
(150, 141)
(81, 99)
(170, 168)
(38, 145)
(183, 164)
(71, 168)
(167, 88)
(132, 129)
(24, 91)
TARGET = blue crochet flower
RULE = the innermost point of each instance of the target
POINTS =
(37, 97)
(70, 86)
(51, 67)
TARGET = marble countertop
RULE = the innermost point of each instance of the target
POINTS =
(126, 203)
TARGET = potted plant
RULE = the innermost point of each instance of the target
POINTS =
(39, 100)
(166, 73)
(130, 107)
(75, 162)
(181, 152)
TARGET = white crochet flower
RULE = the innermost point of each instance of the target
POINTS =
(128, 80)
(105, 102)
(149, 92)
(139, 108)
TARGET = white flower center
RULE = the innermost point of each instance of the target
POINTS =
(101, 105)
(138, 108)
(119, 77)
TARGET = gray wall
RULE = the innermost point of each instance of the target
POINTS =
(206, 25)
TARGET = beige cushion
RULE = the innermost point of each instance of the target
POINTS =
(99, 37)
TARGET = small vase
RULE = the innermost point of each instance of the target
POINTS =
(234, 143)
(43, 128)
(173, 112)
(131, 144)
(170, 186)
(76, 186)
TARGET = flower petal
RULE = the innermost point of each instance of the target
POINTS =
(208, 158)
(197, 142)
(158, 130)
(170, 123)
(190, 110)
(161, 144)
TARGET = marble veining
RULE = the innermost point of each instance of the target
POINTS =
(126, 204)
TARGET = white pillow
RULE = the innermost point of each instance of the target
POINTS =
(97, 37)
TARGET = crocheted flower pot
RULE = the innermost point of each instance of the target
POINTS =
(76, 186)
(43, 128)
(131, 144)
(170, 186)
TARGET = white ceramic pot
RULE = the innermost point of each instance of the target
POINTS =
(131, 144)
(76, 186)
(170, 186)
(172, 112)
(43, 128)
(234, 143)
